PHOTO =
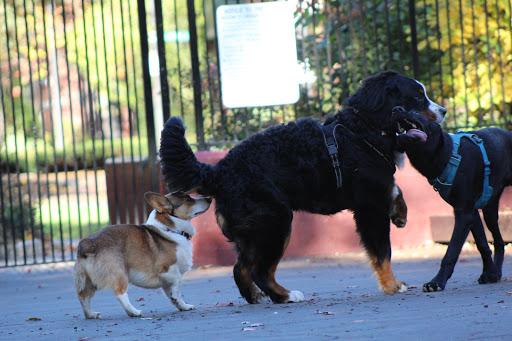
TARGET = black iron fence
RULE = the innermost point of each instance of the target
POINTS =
(83, 97)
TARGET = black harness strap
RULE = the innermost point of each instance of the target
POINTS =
(329, 133)
(332, 148)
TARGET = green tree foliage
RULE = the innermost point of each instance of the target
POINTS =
(464, 52)
(475, 54)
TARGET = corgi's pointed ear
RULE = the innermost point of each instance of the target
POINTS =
(158, 201)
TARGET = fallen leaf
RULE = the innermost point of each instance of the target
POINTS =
(463, 261)
(214, 291)
(325, 312)
(224, 304)
(248, 329)
(34, 319)
(147, 318)
(256, 325)
(358, 321)
(508, 293)
(140, 299)
(84, 338)
(246, 322)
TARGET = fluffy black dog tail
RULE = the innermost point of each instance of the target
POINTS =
(180, 168)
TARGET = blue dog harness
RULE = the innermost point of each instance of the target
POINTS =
(443, 183)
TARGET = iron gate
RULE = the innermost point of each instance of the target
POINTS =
(83, 96)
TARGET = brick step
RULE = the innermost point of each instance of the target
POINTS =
(442, 227)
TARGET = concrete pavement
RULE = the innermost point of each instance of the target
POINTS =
(342, 302)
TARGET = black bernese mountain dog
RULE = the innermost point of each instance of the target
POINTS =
(287, 168)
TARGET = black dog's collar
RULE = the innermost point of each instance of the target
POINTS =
(388, 159)
(365, 120)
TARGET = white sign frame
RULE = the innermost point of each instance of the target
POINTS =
(258, 54)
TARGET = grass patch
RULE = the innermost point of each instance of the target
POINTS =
(73, 219)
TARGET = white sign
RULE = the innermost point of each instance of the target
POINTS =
(258, 54)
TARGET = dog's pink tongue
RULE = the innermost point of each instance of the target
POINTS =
(418, 133)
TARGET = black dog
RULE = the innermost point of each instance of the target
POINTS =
(430, 158)
(287, 168)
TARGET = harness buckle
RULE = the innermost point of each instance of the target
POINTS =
(455, 160)
(332, 149)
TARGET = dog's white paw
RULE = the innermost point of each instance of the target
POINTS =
(295, 296)
(403, 288)
(261, 298)
(93, 315)
(134, 313)
(186, 307)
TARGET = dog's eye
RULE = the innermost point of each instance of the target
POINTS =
(418, 98)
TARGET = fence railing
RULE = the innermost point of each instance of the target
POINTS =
(83, 97)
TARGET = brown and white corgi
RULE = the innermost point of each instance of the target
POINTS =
(153, 255)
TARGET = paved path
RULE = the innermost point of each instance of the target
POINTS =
(342, 302)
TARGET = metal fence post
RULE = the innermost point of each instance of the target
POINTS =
(196, 77)
(164, 84)
(414, 40)
(148, 100)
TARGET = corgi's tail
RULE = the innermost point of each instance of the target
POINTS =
(81, 277)
(181, 170)
(85, 250)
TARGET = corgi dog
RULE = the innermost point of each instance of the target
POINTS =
(153, 255)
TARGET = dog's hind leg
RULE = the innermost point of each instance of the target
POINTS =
(491, 220)
(265, 269)
(373, 229)
(120, 288)
(85, 290)
(242, 271)
(242, 274)
(490, 271)
(463, 223)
